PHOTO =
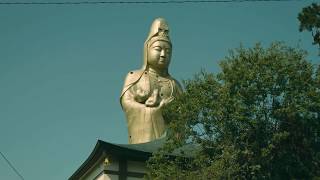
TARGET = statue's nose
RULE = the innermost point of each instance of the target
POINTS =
(163, 53)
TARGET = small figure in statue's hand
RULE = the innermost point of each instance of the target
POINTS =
(153, 100)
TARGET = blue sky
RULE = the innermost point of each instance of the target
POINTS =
(62, 69)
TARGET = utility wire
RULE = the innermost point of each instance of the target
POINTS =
(12, 167)
(140, 2)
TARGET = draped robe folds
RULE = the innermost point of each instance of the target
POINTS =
(146, 123)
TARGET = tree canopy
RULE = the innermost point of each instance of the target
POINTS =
(259, 118)
(309, 19)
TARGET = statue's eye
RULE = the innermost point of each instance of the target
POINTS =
(157, 48)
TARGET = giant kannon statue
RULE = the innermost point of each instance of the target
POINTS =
(148, 90)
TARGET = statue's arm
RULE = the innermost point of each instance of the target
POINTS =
(128, 102)
(127, 97)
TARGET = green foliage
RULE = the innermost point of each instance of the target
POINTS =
(257, 119)
(309, 19)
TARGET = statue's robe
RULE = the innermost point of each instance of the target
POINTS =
(146, 123)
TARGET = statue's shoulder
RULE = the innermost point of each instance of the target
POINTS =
(177, 85)
(133, 76)
(135, 72)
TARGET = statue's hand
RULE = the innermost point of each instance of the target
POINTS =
(153, 100)
(164, 102)
(140, 95)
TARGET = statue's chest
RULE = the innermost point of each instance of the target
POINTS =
(163, 85)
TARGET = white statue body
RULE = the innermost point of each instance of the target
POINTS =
(148, 90)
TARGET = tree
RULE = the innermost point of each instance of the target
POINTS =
(257, 119)
(309, 19)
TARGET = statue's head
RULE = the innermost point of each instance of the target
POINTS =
(158, 47)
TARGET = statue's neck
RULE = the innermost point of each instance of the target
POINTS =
(160, 72)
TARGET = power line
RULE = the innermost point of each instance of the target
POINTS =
(140, 2)
(12, 167)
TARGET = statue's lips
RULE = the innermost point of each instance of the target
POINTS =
(162, 60)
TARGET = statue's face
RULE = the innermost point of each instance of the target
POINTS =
(159, 55)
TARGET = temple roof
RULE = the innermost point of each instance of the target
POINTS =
(136, 152)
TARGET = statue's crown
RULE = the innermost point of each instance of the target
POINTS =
(163, 32)
(160, 29)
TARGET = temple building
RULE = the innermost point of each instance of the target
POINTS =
(110, 161)
(116, 161)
